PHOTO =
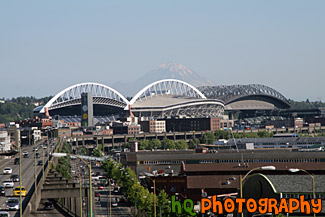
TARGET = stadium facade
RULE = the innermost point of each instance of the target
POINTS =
(165, 99)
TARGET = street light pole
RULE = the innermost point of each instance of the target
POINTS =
(35, 170)
(110, 197)
(90, 190)
(90, 182)
(154, 193)
(80, 183)
(294, 170)
(20, 199)
(242, 179)
(43, 158)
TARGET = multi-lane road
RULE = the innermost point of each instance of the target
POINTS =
(27, 170)
(28, 177)
(102, 207)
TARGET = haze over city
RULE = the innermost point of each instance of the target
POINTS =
(48, 46)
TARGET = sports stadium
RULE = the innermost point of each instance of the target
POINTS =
(164, 99)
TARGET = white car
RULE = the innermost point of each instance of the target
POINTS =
(114, 203)
(7, 170)
(8, 183)
(4, 214)
(13, 204)
(94, 177)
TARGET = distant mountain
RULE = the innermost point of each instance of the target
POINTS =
(163, 71)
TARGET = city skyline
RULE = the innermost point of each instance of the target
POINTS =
(46, 47)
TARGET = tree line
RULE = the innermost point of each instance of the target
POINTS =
(206, 138)
(19, 108)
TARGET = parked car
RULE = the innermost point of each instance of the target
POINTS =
(13, 204)
(2, 191)
(14, 177)
(100, 187)
(7, 170)
(17, 191)
(8, 183)
(48, 205)
(4, 214)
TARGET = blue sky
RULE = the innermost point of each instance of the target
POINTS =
(46, 46)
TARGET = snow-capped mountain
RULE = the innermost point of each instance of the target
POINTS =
(163, 71)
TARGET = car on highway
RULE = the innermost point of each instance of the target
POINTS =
(2, 191)
(39, 163)
(25, 154)
(8, 183)
(14, 177)
(114, 202)
(7, 170)
(17, 160)
(13, 204)
(116, 189)
(4, 214)
(35, 149)
(37, 155)
(17, 191)
(96, 177)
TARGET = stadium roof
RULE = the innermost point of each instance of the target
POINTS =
(250, 96)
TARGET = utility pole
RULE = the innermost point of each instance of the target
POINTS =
(20, 199)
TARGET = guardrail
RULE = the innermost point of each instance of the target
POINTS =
(31, 191)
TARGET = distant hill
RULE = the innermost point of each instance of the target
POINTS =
(163, 71)
(19, 108)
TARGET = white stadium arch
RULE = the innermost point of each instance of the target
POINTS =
(168, 86)
(72, 95)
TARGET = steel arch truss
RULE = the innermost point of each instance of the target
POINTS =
(102, 94)
(231, 93)
(168, 86)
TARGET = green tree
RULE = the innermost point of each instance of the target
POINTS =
(97, 153)
(169, 144)
(64, 164)
(154, 144)
(264, 134)
(163, 204)
(84, 151)
(144, 144)
(181, 144)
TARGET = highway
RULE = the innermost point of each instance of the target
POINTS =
(101, 208)
(27, 172)
(102, 204)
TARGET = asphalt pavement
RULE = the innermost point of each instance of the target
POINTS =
(27, 167)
